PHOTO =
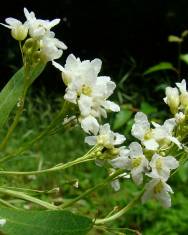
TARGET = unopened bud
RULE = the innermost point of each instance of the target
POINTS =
(172, 99)
(19, 32)
(184, 99)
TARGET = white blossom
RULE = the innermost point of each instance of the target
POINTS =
(142, 131)
(51, 48)
(122, 160)
(105, 137)
(159, 190)
(86, 88)
(90, 125)
(153, 138)
(18, 30)
(161, 166)
(133, 160)
(163, 134)
(38, 28)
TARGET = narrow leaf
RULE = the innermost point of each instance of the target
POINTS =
(43, 222)
(159, 67)
(12, 91)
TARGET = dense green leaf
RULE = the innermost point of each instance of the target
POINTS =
(11, 93)
(121, 118)
(43, 222)
(147, 108)
(159, 67)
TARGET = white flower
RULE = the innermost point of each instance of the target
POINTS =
(161, 166)
(18, 30)
(86, 88)
(142, 131)
(2, 222)
(37, 27)
(122, 160)
(158, 189)
(138, 162)
(105, 137)
(163, 133)
(133, 160)
(90, 125)
(153, 138)
(172, 99)
(51, 48)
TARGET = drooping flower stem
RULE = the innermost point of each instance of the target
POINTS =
(89, 156)
(130, 205)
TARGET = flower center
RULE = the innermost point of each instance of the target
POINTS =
(159, 187)
(148, 135)
(159, 164)
(136, 161)
(86, 90)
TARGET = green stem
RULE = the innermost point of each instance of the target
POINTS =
(5, 203)
(28, 198)
(90, 155)
(119, 213)
(107, 180)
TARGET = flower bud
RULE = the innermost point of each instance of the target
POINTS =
(184, 99)
(172, 99)
(19, 32)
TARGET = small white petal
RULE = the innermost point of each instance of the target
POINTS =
(182, 86)
(85, 103)
(119, 139)
(90, 125)
(151, 144)
(91, 140)
(111, 106)
(115, 185)
(171, 162)
(135, 149)
(121, 162)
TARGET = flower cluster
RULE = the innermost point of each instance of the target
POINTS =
(149, 159)
(41, 38)
(88, 90)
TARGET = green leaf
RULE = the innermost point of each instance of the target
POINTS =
(147, 108)
(12, 91)
(121, 118)
(184, 58)
(159, 67)
(174, 38)
(43, 222)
